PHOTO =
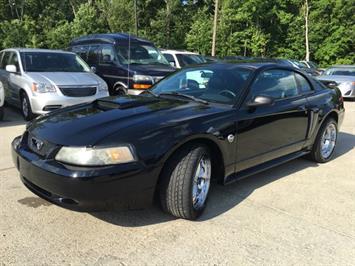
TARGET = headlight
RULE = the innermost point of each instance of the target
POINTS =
(95, 156)
(43, 87)
(144, 78)
(102, 87)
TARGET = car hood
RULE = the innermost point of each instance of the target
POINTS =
(152, 70)
(66, 78)
(128, 117)
(336, 78)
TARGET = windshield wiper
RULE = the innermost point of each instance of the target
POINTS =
(190, 97)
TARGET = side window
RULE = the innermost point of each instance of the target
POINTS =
(93, 57)
(82, 51)
(170, 58)
(106, 54)
(303, 83)
(13, 60)
(5, 59)
(275, 83)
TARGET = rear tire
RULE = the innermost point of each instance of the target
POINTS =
(26, 109)
(325, 143)
(186, 182)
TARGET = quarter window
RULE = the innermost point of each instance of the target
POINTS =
(276, 83)
(303, 83)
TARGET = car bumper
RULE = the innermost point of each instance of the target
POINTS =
(42, 104)
(123, 186)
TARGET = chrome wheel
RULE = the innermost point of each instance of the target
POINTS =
(201, 182)
(328, 141)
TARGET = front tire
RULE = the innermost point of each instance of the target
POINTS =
(324, 145)
(186, 181)
(120, 90)
(26, 107)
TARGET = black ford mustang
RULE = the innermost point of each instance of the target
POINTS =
(224, 121)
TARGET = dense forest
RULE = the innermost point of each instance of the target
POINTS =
(266, 28)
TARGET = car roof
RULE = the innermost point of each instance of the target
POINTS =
(177, 51)
(112, 38)
(22, 50)
(249, 65)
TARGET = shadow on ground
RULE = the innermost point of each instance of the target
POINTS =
(12, 117)
(224, 198)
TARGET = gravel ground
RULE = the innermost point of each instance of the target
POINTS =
(300, 213)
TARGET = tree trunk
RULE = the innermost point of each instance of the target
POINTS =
(306, 14)
(214, 32)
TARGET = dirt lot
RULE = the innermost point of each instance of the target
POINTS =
(299, 213)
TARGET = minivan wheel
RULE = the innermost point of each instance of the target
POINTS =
(325, 142)
(120, 90)
(26, 107)
(186, 182)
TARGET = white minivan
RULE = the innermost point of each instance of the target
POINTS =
(39, 80)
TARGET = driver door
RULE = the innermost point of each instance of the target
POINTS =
(268, 132)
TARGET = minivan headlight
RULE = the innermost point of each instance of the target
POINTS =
(85, 156)
(43, 87)
(102, 87)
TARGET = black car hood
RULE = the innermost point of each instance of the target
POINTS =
(152, 70)
(125, 116)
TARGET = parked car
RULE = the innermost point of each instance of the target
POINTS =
(311, 64)
(2, 102)
(180, 59)
(341, 76)
(39, 80)
(127, 63)
(169, 142)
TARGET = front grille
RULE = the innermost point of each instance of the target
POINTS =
(41, 147)
(78, 91)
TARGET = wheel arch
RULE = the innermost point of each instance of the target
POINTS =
(217, 157)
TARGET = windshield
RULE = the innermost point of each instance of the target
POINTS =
(140, 54)
(190, 59)
(212, 83)
(340, 71)
(52, 62)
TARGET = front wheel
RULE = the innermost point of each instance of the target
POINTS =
(26, 107)
(325, 142)
(186, 181)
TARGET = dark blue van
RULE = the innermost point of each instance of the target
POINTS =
(127, 63)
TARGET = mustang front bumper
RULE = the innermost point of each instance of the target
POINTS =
(125, 186)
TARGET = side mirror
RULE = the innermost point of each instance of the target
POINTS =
(172, 63)
(260, 101)
(11, 68)
(93, 69)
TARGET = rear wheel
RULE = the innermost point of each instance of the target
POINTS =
(26, 107)
(186, 181)
(325, 142)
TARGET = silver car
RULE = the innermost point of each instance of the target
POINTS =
(342, 76)
(39, 81)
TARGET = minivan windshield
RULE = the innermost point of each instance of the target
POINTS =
(190, 59)
(220, 83)
(142, 54)
(52, 62)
